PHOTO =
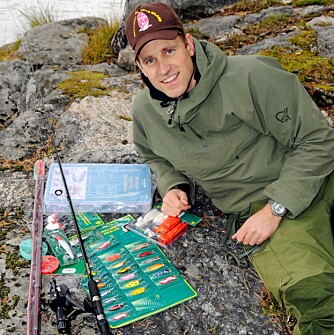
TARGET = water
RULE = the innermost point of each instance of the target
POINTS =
(13, 24)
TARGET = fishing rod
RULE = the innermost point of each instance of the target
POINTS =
(94, 292)
(95, 297)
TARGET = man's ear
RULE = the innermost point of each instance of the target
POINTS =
(190, 45)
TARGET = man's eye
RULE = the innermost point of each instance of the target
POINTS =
(149, 61)
(169, 51)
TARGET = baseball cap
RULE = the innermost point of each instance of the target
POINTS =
(151, 21)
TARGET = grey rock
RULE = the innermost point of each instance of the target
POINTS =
(13, 82)
(188, 9)
(325, 41)
(267, 44)
(303, 11)
(112, 70)
(324, 26)
(126, 59)
(100, 124)
(321, 21)
(257, 17)
(17, 191)
(41, 86)
(57, 43)
(17, 140)
(217, 26)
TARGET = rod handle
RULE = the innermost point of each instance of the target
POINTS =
(95, 296)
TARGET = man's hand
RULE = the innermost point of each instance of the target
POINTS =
(175, 202)
(258, 227)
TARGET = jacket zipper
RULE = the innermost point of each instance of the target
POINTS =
(200, 137)
(171, 111)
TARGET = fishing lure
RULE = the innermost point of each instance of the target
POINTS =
(109, 300)
(132, 283)
(155, 267)
(116, 307)
(146, 253)
(103, 294)
(123, 270)
(167, 280)
(138, 291)
(127, 277)
(120, 316)
(150, 260)
(140, 246)
(161, 273)
(104, 245)
(113, 257)
(64, 245)
(118, 265)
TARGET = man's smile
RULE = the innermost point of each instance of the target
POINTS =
(170, 79)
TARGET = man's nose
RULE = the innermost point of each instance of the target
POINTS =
(164, 66)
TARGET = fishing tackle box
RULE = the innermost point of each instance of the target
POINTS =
(97, 187)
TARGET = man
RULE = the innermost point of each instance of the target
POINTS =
(248, 133)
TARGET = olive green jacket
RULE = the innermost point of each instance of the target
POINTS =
(247, 131)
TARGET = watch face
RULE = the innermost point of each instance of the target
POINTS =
(278, 209)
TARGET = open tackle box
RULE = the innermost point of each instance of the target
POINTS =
(101, 188)
(134, 276)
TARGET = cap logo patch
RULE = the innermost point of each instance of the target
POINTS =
(143, 21)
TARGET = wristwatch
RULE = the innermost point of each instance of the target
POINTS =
(276, 208)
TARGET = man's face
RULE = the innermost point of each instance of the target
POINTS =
(168, 65)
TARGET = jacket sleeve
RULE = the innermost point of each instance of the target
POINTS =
(165, 174)
(285, 111)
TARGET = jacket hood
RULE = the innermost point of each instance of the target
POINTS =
(210, 63)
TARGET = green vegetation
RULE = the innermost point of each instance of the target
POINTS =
(97, 49)
(9, 52)
(195, 32)
(4, 291)
(313, 70)
(6, 305)
(84, 83)
(270, 306)
(37, 17)
(302, 3)
(8, 222)
(14, 261)
(272, 21)
(251, 6)
(271, 26)
(27, 164)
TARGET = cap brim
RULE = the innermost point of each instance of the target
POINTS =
(166, 34)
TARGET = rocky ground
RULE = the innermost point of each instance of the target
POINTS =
(98, 129)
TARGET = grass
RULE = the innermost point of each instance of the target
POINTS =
(97, 49)
(8, 222)
(246, 6)
(271, 307)
(37, 17)
(9, 52)
(28, 163)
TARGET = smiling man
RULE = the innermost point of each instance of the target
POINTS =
(249, 134)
